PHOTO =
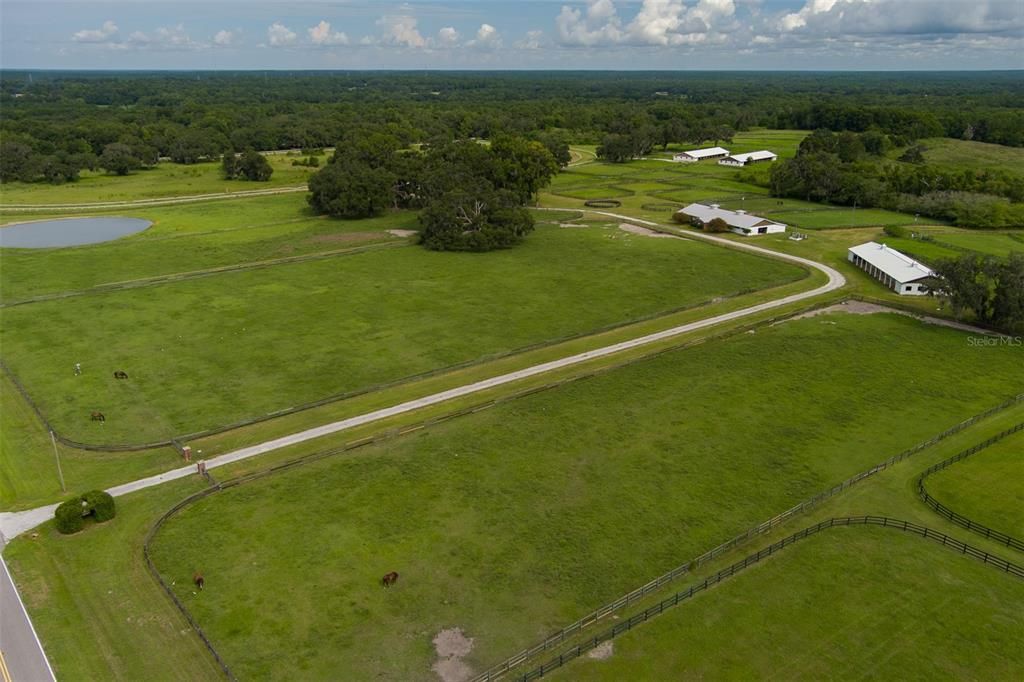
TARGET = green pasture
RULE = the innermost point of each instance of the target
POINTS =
(213, 350)
(843, 217)
(929, 252)
(194, 237)
(163, 180)
(979, 156)
(987, 487)
(990, 243)
(519, 519)
(848, 603)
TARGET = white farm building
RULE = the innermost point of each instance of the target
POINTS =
(739, 222)
(695, 155)
(748, 158)
(899, 272)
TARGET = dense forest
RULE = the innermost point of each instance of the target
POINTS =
(53, 122)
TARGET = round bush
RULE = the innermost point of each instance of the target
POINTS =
(101, 504)
(68, 516)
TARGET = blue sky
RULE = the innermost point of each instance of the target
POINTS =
(513, 34)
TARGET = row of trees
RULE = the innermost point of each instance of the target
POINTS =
(472, 194)
(851, 169)
(989, 288)
(625, 146)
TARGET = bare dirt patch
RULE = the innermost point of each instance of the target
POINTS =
(862, 308)
(602, 652)
(452, 646)
(571, 225)
(401, 233)
(344, 237)
(645, 232)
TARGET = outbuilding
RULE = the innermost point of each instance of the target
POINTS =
(896, 270)
(695, 155)
(748, 158)
(739, 222)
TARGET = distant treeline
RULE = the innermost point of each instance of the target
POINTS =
(55, 124)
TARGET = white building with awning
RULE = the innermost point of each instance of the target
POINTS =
(896, 270)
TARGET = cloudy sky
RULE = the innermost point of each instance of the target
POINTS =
(513, 34)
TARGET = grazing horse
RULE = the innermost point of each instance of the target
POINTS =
(199, 581)
(120, 374)
(97, 417)
(389, 579)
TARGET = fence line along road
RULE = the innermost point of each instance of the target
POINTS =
(665, 604)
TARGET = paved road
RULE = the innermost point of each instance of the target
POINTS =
(14, 523)
(20, 651)
(27, 660)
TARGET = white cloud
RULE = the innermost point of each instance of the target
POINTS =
(486, 37)
(656, 23)
(899, 17)
(448, 37)
(401, 31)
(223, 38)
(164, 38)
(100, 35)
(533, 40)
(321, 34)
(279, 35)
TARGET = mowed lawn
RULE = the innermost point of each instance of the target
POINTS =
(849, 603)
(211, 351)
(987, 487)
(515, 521)
(163, 180)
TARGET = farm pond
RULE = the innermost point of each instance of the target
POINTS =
(45, 234)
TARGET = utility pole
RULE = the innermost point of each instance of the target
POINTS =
(56, 456)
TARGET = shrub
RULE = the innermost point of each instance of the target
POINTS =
(101, 504)
(68, 516)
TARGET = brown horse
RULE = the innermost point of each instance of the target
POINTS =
(199, 581)
(120, 374)
(97, 417)
(389, 579)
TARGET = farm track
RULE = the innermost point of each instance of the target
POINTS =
(196, 274)
(145, 203)
(14, 523)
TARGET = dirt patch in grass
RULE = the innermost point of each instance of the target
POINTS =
(344, 237)
(862, 308)
(452, 646)
(402, 233)
(645, 232)
(602, 652)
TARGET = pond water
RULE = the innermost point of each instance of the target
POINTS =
(43, 234)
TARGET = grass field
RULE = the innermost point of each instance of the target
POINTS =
(479, 515)
(960, 154)
(193, 237)
(163, 180)
(843, 217)
(850, 603)
(209, 351)
(994, 244)
(987, 487)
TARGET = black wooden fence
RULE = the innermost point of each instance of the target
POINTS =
(960, 519)
(636, 595)
(679, 597)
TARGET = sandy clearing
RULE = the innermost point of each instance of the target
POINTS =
(451, 646)
(645, 231)
(402, 233)
(602, 652)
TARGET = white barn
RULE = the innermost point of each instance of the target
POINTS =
(695, 155)
(896, 270)
(739, 222)
(748, 158)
